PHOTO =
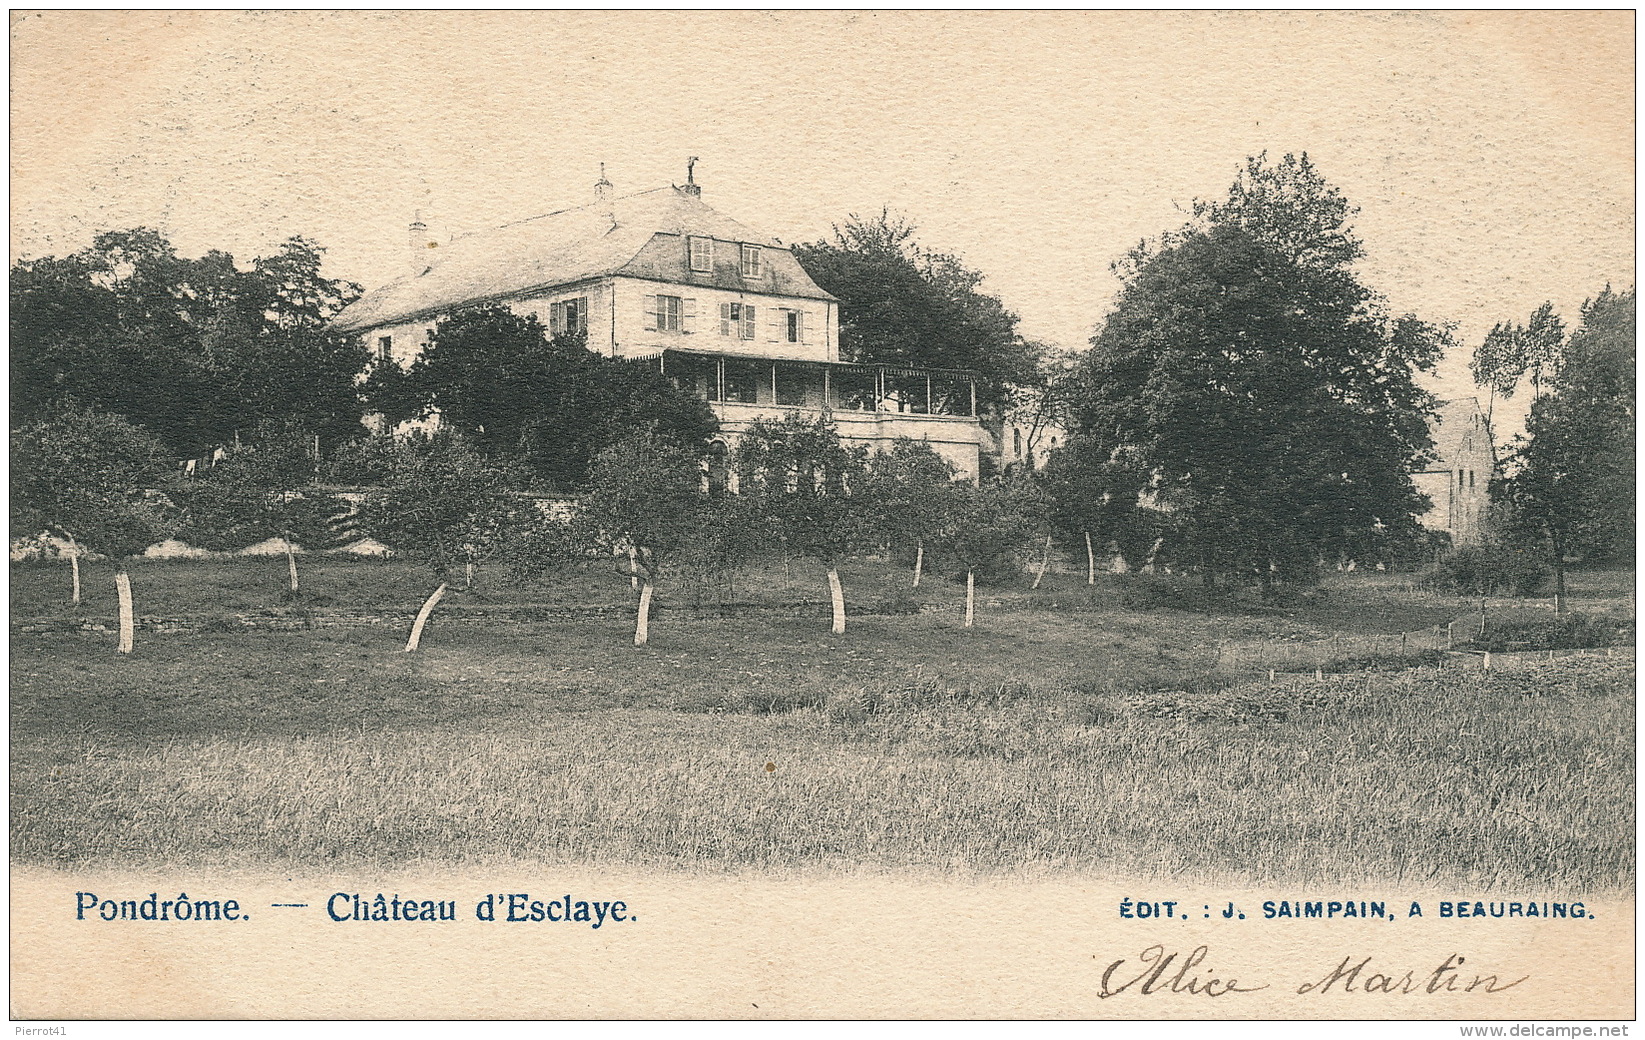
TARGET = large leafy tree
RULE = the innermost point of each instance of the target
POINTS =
(190, 349)
(1266, 393)
(906, 305)
(97, 481)
(1571, 481)
(513, 391)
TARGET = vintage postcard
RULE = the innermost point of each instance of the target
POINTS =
(823, 515)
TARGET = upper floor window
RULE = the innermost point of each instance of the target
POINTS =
(385, 347)
(794, 326)
(568, 317)
(751, 261)
(702, 254)
(665, 315)
(737, 319)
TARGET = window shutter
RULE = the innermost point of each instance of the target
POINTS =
(748, 321)
(776, 326)
(725, 319)
(688, 314)
(556, 319)
(799, 319)
(651, 314)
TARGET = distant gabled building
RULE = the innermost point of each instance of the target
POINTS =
(660, 278)
(1458, 481)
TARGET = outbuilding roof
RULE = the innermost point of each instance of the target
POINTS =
(572, 245)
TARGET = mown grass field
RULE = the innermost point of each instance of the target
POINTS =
(1072, 730)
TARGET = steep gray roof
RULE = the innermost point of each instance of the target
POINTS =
(572, 245)
(1459, 433)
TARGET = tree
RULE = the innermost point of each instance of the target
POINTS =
(1265, 392)
(646, 496)
(193, 350)
(1571, 481)
(1096, 493)
(992, 523)
(1509, 351)
(264, 490)
(799, 487)
(96, 481)
(902, 304)
(437, 496)
(911, 488)
(553, 404)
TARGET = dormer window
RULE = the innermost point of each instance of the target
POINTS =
(702, 254)
(751, 261)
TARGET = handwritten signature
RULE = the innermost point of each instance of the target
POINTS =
(1194, 976)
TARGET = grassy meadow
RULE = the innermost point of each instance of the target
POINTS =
(1128, 729)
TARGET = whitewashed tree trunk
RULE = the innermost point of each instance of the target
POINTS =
(422, 618)
(642, 620)
(122, 587)
(468, 574)
(919, 562)
(837, 594)
(1045, 562)
(291, 559)
(74, 568)
(1090, 561)
(970, 597)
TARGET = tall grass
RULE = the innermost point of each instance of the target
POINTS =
(1489, 779)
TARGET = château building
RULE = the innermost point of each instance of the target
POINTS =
(660, 278)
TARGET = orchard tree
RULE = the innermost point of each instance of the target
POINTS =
(902, 304)
(436, 497)
(992, 525)
(1265, 392)
(801, 488)
(645, 497)
(264, 490)
(1571, 479)
(911, 489)
(97, 482)
(1095, 494)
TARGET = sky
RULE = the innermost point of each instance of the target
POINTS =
(1491, 155)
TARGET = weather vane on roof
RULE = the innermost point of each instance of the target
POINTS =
(691, 170)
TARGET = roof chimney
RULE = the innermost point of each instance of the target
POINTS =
(691, 185)
(419, 245)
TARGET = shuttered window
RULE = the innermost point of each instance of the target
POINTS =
(665, 314)
(737, 319)
(751, 261)
(702, 254)
(568, 317)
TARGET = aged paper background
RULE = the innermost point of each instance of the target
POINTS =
(111, 127)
